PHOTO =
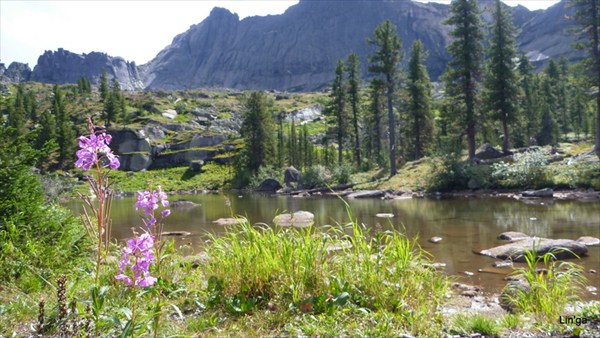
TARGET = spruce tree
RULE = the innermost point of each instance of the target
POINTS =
(65, 132)
(501, 79)
(587, 15)
(376, 111)
(354, 98)
(463, 72)
(256, 130)
(419, 99)
(385, 62)
(103, 86)
(528, 114)
(338, 96)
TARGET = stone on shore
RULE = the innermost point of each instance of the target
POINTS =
(543, 193)
(367, 194)
(269, 185)
(561, 248)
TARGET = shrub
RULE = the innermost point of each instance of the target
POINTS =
(315, 176)
(527, 170)
(34, 235)
(454, 174)
(342, 174)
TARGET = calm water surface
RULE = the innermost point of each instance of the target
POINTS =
(466, 224)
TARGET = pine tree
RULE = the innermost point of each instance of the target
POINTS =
(256, 131)
(17, 117)
(587, 14)
(419, 99)
(464, 70)
(385, 62)
(103, 86)
(376, 109)
(65, 132)
(501, 78)
(338, 96)
(528, 114)
(354, 98)
(548, 131)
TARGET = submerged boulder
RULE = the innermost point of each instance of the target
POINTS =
(184, 204)
(515, 251)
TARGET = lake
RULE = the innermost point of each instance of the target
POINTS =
(465, 224)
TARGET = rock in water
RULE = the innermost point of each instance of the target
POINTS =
(184, 204)
(513, 236)
(561, 248)
(299, 219)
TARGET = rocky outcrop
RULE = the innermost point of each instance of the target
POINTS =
(62, 66)
(561, 248)
(16, 72)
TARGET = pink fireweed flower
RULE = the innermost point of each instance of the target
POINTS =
(94, 148)
(149, 201)
(135, 261)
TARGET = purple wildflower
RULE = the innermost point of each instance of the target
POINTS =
(149, 201)
(135, 261)
(95, 148)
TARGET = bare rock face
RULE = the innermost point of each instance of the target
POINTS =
(63, 66)
(561, 248)
(16, 72)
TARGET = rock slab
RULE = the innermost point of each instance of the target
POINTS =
(299, 219)
(561, 248)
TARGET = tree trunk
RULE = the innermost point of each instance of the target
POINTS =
(505, 142)
(391, 124)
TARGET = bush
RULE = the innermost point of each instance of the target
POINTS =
(454, 174)
(342, 174)
(527, 170)
(315, 176)
(34, 235)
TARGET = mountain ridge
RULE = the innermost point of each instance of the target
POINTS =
(296, 50)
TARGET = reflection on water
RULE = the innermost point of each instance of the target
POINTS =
(466, 225)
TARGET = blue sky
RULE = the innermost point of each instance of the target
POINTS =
(134, 30)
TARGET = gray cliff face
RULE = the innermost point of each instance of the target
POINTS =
(16, 72)
(297, 50)
(63, 66)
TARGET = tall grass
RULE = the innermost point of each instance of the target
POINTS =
(549, 290)
(252, 268)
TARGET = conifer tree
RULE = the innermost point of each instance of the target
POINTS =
(501, 78)
(385, 62)
(528, 114)
(354, 98)
(338, 96)
(463, 72)
(256, 131)
(587, 15)
(419, 99)
(376, 111)
(103, 86)
(65, 132)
